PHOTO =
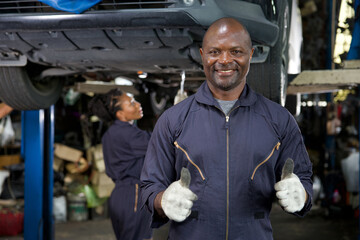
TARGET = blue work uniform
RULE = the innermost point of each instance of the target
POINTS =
(234, 161)
(124, 148)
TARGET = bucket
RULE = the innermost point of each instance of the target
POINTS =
(59, 208)
(77, 209)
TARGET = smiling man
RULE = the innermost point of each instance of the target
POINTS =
(226, 58)
(215, 161)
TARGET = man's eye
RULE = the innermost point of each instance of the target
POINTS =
(214, 52)
(236, 52)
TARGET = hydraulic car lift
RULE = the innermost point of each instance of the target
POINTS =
(37, 150)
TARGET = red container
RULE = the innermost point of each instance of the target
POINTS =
(11, 223)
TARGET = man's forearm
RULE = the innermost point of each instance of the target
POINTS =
(157, 205)
(4, 110)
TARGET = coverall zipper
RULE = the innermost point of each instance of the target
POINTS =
(268, 157)
(188, 157)
(227, 118)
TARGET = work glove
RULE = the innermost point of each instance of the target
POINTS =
(289, 190)
(177, 199)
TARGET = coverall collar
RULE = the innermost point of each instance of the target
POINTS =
(247, 98)
(121, 123)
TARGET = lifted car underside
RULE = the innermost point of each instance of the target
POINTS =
(123, 38)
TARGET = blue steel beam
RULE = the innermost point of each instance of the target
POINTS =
(33, 144)
(354, 51)
(37, 152)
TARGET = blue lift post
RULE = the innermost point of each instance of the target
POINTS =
(329, 141)
(37, 152)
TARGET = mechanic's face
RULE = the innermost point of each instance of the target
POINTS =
(226, 56)
(130, 109)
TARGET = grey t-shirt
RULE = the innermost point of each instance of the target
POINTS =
(226, 105)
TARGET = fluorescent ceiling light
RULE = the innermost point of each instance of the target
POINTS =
(123, 81)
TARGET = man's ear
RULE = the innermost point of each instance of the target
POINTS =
(201, 52)
(252, 52)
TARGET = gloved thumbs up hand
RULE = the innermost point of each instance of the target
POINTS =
(289, 190)
(177, 199)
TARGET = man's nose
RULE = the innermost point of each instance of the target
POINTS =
(225, 57)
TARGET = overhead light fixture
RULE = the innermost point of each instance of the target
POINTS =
(123, 81)
(142, 74)
(188, 2)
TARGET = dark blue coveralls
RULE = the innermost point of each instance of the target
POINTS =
(234, 161)
(124, 148)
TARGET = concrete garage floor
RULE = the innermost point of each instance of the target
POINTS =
(315, 226)
(286, 227)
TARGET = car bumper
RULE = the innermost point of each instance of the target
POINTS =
(202, 15)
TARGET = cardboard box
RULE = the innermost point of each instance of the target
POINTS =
(99, 165)
(67, 153)
(58, 164)
(90, 155)
(100, 178)
(95, 156)
(6, 160)
(102, 184)
(103, 190)
(78, 167)
(98, 153)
